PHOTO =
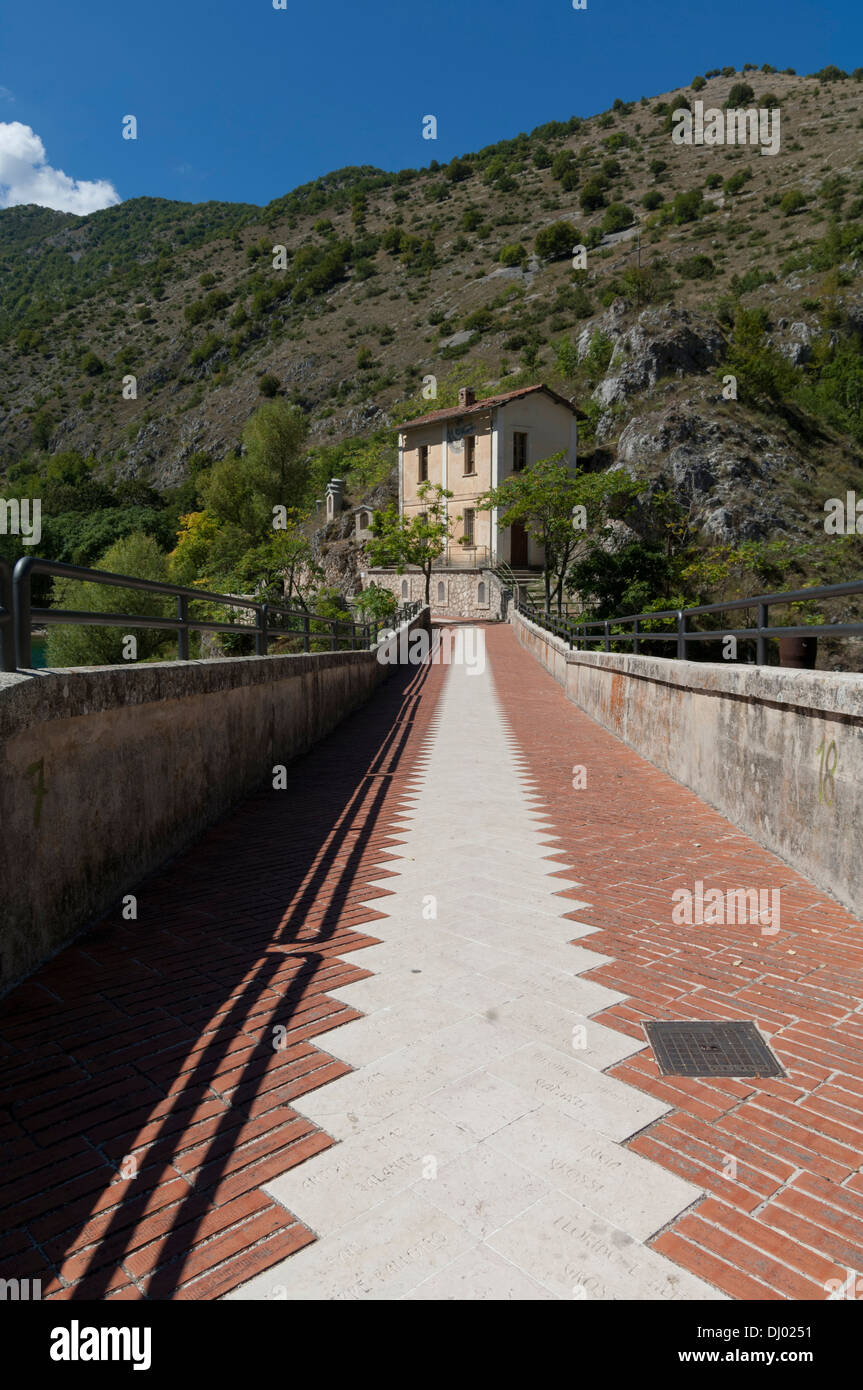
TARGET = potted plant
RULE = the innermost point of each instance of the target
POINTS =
(800, 652)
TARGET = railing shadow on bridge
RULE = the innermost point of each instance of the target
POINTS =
(612, 633)
(290, 858)
(312, 631)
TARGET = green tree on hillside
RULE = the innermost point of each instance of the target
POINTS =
(542, 499)
(242, 490)
(139, 557)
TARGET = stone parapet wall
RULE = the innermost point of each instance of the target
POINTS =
(106, 772)
(779, 752)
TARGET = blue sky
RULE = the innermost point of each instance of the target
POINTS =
(236, 100)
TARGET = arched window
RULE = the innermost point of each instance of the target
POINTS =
(364, 519)
(404, 588)
(441, 592)
(480, 593)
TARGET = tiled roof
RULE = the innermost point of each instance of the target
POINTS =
(488, 403)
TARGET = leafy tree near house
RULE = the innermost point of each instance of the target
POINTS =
(614, 577)
(376, 604)
(541, 498)
(282, 569)
(417, 540)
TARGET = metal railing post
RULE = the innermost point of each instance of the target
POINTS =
(7, 628)
(605, 628)
(307, 645)
(635, 630)
(21, 608)
(334, 637)
(761, 640)
(183, 633)
(261, 640)
(681, 636)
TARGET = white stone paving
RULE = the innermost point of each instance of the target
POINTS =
(480, 1143)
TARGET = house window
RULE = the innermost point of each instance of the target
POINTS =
(364, 519)
(469, 519)
(470, 453)
(405, 593)
(519, 452)
(424, 464)
(441, 592)
(480, 594)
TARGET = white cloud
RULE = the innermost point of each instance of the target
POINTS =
(26, 178)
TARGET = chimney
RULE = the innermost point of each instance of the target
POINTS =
(466, 396)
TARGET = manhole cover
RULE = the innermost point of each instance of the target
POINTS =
(711, 1049)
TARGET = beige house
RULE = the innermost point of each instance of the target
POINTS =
(475, 446)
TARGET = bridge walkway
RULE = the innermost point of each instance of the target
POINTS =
(379, 1034)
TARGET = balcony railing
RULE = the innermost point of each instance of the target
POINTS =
(463, 557)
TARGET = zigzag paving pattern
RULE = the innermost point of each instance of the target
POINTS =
(460, 949)
(143, 1103)
(480, 1149)
(780, 1160)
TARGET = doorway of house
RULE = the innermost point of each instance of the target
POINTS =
(517, 544)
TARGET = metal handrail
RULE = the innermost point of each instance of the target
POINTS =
(504, 573)
(761, 633)
(18, 614)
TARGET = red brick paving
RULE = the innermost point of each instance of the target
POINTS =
(152, 1040)
(792, 1216)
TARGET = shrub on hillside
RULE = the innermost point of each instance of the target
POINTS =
(617, 218)
(793, 201)
(514, 254)
(740, 95)
(698, 267)
(593, 195)
(557, 241)
(687, 207)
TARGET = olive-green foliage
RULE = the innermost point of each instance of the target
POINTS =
(617, 217)
(740, 95)
(139, 557)
(762, 372)
(793, 201)
(557, 241)
(242, 490)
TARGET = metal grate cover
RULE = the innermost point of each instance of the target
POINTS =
(711, 1049)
